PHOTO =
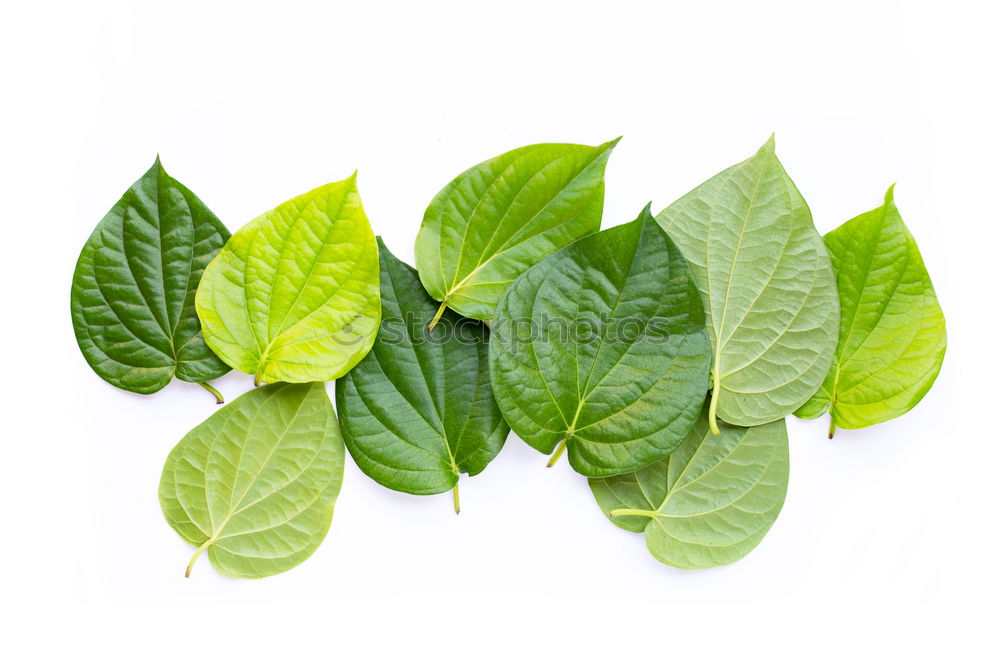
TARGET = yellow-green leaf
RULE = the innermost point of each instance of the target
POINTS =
(294, 296)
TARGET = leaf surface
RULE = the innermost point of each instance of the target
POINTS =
(505, 214)
(134, 286)
(418, 410)
(293, 296)
(767, 283)
(602, 348)
(711, 501)
(892, 331)
(254, 484)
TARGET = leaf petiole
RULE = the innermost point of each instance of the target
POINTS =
(625, 511)
(219, 400)
(198, 552)
(437, 316)
(454, 496)
(559, 451)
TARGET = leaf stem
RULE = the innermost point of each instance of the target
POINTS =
(712, 424)
(626, 511)
(437, 316)
(833, 427)
(454, 496)
(559, 451)
(219, 400)
(198, 552)
(256, 377)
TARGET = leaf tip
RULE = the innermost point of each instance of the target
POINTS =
(768, 146)
(614, 142)
(889, 194)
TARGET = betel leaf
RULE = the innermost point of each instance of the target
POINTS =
(601, 348)
(418, 410)
(711, 501)
(768, 287)
(892, 330)
(254, 484)
(293, 296)
(134, 287)
(502, 216)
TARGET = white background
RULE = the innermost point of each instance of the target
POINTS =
(887, 547)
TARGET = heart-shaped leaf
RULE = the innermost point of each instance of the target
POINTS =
(892, 330)
(711, 501)
(770, 298)
(502, 216)
(255, 483)
(134, 287)
(601, 348)
(293, 296)
(418, 410)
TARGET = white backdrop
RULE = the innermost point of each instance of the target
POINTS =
(887, 545)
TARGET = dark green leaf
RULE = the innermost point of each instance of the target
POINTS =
(418, 410)
(134, 287)
(601, 348)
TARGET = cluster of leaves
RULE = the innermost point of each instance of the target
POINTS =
(663, 355)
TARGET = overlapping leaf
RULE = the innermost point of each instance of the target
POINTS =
(602, 348)
(294, 294)
(892, 330)
(767, 283)
(505, 214)
(711, 501)
(418, 410)
(134, 287)
(254, 485)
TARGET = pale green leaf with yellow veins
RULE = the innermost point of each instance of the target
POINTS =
(293, 296)
(892, 330)
(711, 501)
(254, 484)
(765, 277)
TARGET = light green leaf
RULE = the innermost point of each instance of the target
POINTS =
(711, 501)
(502, 216)
(418, 410)
(255, 483)
(602, 348)
(768, 287)
(134, 287)
(892, 330)
(293, 296)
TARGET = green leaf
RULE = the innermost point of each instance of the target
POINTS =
(768, 287)
(502, 216)
(418, 410)
(293, 296)
(711, 501)
(255, 483)
(602, 348)
(892, 330)
(134, 287)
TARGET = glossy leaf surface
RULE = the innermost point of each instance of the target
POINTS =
(892, 330)
(770, 298)
(418, 410)
(505, 214)
(134, 287)
(602, 348)
(293, 296)
(254, 485)
(711, 501)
